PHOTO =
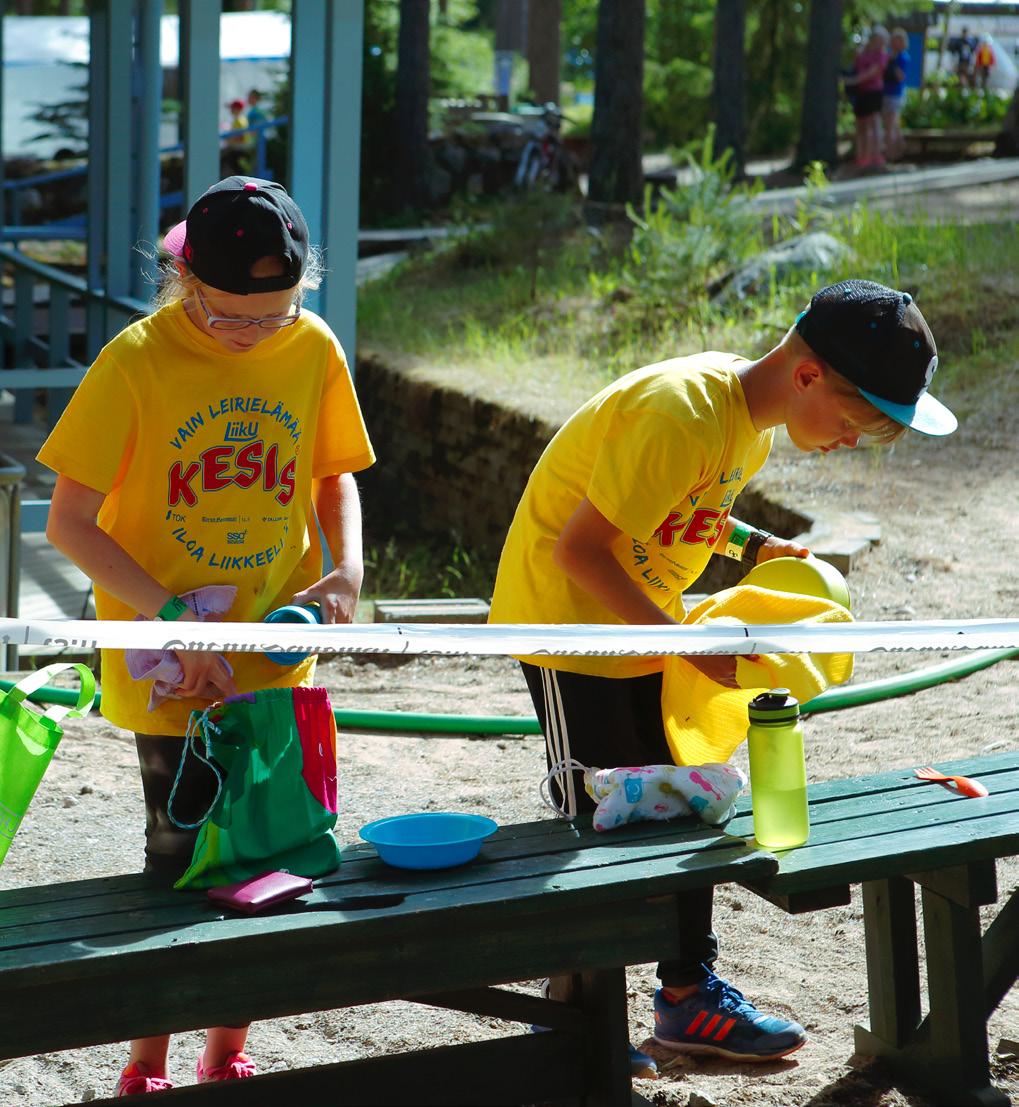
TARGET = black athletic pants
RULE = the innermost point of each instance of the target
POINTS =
(603, 723)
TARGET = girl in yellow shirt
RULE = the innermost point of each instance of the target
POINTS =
(204, 447)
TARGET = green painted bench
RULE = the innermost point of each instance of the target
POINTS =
(104, 960)
(891, 833)
(78, 960)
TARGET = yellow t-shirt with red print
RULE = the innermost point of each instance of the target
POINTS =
(207, 459)
(662, 453)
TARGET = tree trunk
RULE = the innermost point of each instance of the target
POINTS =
(543, 19)
(411, 160)
(1007, 145)
(819, 118)
(728, 88)
(616, 173)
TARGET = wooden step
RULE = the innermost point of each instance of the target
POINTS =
(431, 611)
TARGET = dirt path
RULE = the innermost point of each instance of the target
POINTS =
(948, 515)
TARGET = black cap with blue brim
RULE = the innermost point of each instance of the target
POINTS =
(878, 340)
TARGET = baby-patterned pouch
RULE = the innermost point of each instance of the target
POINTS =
(633, 793)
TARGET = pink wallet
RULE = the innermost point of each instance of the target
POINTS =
(259, 892)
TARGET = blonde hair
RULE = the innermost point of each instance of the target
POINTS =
(177, 282)
(866, 417)
(870, 420)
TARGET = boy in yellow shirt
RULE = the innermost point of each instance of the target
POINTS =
(624, 508)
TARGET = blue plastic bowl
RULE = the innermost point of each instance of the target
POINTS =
(307, 614)
(434, 840)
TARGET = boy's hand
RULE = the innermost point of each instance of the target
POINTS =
(336, 594)
(719, 667)
(780, 547)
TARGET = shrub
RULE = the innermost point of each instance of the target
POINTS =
(691, 235)
(949, 104)
(677, 101)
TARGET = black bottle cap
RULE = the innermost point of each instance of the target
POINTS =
(776, 706)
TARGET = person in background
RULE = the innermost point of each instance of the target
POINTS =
(896, 73)
(254, 112)
(238, 121)
(867, 83)
(963, 47)
(983, 63)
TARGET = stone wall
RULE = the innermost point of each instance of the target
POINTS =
(454, 465)
(450, 464)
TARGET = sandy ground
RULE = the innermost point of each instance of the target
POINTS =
(947, 511)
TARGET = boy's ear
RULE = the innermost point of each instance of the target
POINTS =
(181, 268)
(806, 372)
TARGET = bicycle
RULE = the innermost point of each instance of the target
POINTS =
(545, 163)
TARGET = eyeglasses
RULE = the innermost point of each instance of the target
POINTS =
(233, 323)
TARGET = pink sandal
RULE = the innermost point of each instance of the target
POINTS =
(136, 1080)
(238, 1066)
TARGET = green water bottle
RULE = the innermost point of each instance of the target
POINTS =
(778, 775)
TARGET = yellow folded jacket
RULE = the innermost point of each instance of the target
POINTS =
(705, 722)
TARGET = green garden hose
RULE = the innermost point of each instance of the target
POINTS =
(835, 699)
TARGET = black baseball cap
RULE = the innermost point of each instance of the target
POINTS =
(877, 339)
(236, 222)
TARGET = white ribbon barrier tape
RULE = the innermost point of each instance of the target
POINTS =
(514, 639)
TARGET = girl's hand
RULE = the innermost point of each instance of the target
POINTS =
(336, 594)
(206, 676)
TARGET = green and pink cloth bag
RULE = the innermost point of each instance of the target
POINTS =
(274, 755)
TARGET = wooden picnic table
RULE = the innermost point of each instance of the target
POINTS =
(105, 960)
(892, 834)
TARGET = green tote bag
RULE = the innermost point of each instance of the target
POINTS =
(28, 740)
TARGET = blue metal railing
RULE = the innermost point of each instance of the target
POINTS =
(41, 358)
(41, 354)
(73, 227)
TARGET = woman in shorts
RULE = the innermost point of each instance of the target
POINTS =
(867, 83)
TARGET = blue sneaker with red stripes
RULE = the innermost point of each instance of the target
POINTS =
(718, 1019)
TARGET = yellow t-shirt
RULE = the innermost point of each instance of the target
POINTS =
(662, 453)
(207, 460)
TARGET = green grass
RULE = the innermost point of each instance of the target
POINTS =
(396, 570)
(572, 312)
(541, 319)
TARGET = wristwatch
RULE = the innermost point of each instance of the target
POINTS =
(753, 545)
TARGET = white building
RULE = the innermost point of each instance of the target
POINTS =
(45, 57)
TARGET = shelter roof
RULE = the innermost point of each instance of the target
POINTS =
(54, 39)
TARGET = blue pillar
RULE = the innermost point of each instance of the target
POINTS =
(148, 90)
(199, 82)
(325, 147)
(95, 230)
(307, 80)
(344, 59)
(119, 172)
(3, 195)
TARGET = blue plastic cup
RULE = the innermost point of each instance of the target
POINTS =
(293, 613)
